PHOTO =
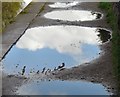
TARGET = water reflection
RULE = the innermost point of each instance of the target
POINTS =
(104, 35)
(73, 15)
(51, 46)
(65, 39)
(62, 88)
(63, 5)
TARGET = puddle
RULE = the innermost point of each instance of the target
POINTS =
(50, 46)
(62, 88)
(73, 15)
(104, 35)
(63, 5)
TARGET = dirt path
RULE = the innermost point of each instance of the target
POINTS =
(11, 83)
(98, 71)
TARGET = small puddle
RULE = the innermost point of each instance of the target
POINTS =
(73, 15)
(104, 35)
(63, 5)
(62, 88)
(50, 46)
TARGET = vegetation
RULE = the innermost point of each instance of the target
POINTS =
(9, 11)
(26, 9)
(0, 17)
(42, 8)
(112, 20)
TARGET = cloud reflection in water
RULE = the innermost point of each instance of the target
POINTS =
(49, 46)
(71, 40)
(63, 5)
(65, 39)
(73, 15)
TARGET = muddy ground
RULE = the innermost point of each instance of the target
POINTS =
(99, 70)
(10, 83)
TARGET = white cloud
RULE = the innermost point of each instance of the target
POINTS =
(63, 5)
(64, 39)
(71, 15)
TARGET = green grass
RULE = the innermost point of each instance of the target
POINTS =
(26, 10)
(9, 11)
(42, 8)
(112, 20)
(0, 17)
(105, 5)
(111, 17)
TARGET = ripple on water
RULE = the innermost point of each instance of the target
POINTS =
(50, 46)
(73, 15)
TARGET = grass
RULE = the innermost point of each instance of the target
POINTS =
(42, 8)
(0, 17)
(9, 11)
(112, 20)
(26, 10)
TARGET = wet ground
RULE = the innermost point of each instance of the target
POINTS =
(47, 48)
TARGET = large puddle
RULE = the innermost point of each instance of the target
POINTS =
(63, 4)
(73, 15)
(50, 46)
(62, 88)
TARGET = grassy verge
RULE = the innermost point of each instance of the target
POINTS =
(9, 11)
(112, 20)
(26, 9)
(0, 17)
(42, 8)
